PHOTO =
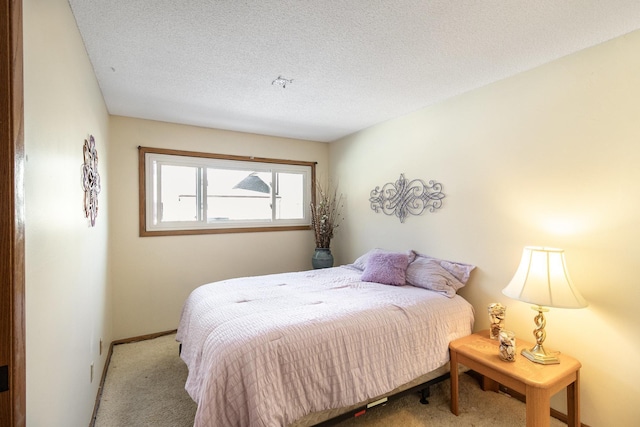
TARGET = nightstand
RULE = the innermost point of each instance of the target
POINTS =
(535, 381)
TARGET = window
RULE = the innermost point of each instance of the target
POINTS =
(183, 192)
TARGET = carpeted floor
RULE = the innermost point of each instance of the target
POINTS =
(145, 387)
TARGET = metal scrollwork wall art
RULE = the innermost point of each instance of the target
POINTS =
(404, 197)
(90, 180)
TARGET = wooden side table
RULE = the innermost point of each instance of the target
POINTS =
(535, 381)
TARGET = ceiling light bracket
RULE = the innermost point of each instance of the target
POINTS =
(282, 82)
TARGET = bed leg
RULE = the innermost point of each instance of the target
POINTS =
(425, 393)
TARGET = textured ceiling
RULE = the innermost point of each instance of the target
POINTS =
(354, 63)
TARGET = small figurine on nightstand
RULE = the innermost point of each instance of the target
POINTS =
(496, 315)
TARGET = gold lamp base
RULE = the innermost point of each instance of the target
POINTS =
(538, 355)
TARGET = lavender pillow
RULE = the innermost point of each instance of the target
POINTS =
(458, 270)
(387, 268)
(361, 262)
(437, 275)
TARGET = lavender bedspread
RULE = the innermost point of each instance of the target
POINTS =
(267, 350)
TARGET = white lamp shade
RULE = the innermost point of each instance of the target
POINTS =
(542, 278)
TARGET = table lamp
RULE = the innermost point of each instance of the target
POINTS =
(542, 279)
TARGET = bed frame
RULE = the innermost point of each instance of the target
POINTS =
(423, 389)
(420, 385)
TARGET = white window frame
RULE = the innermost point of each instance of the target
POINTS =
(149, 226)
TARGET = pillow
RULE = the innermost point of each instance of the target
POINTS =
(437, 275)
(459, 270)
(361, 262)
(387, 268)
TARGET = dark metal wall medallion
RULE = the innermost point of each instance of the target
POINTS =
(90, 180)
(404, 197)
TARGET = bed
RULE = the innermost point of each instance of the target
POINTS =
(299, 348)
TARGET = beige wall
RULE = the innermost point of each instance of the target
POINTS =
(152, 276)
(67, 293)
(549, 157)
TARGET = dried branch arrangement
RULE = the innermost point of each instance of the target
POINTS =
(326, 212)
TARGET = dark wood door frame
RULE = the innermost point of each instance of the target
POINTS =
(12, 276)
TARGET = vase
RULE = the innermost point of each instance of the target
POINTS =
(507, 348)
(497, 313)
(322, 258)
